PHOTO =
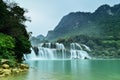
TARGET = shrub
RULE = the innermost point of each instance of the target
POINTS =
(7, 44)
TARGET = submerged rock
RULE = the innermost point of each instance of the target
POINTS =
(86, 58)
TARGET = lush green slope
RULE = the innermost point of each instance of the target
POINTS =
(104, 19)
(99, 30)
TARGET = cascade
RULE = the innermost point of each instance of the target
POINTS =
(86, 47)
(31, 56)
(77, 51)
(61, 47)
(56, 51)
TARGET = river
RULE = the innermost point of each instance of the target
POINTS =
(70, 70)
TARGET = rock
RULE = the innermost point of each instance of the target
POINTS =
(15, 70)
(36, 50)
(2, 75)
(3, 61)
(27, 67)
(24, 66)
(85, 58)
(7, 71)
(21, 70)
(5, 66)
(1, 71)
(25, 70)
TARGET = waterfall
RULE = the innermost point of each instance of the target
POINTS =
(86, 47)
(77, 51)
(56, 51)
(61, 47)
(31, 56)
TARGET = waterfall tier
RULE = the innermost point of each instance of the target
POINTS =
(56, 51)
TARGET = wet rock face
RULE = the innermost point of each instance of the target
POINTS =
(36, 50)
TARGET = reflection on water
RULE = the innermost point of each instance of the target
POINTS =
(74, 70)
(71, 70)
(58, 69)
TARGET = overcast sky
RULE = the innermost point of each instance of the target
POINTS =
(46, 14)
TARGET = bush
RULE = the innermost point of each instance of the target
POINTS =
(7, 44)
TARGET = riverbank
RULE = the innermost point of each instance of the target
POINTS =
(7, 69)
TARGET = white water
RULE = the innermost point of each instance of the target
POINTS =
(31, 56)
(86, 47)
(56, 51)
(77, 51)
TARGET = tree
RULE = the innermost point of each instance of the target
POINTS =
(12, 21)
(7, 44)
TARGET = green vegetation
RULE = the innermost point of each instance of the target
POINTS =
(99, 30)
(103, 47)
(7, 44)
(14, 39)
(103, 22)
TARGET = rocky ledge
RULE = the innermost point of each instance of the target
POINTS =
(6, 69)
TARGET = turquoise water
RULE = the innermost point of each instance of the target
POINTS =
(70, 70)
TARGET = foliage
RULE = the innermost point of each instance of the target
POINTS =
(105, 21)
(99, 30)
(7, 45)
(22, 47)
(105, 47)
(12, 23)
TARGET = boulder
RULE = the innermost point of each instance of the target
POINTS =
(27, 67)
(86, 58)
(5, 66)
(1, 71)
(7, 71)
(5, 61)
(36, 50)
(15, 70)
(24, 66)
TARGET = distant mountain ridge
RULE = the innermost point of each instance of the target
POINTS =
(40, 37)
(104, 21)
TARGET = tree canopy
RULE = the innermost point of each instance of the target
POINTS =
(12, 21)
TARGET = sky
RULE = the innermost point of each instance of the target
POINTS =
(46, 14)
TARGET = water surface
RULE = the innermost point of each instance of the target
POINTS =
(70, 70)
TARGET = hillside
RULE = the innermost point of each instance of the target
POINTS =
(99, 30)
(104, 21)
